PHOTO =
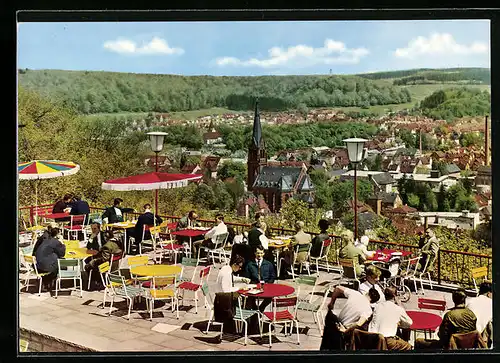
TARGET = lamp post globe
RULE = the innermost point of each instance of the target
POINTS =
(356, 152)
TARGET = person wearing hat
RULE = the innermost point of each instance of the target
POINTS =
(47, 251)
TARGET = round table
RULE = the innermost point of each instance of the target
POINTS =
(424, 321)
(271, 291)
(156, 270)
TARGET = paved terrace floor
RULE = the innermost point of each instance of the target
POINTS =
(82, 321)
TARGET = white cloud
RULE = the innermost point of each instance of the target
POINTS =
(333, 52)
(155, 46)
(439, 44)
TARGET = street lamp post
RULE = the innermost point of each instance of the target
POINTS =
(156, 139)
(355, 151)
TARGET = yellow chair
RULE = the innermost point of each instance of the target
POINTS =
(104, 270)
(23, 345)
(477, 274)
(33, 270)
(139, 260)
(167, 292)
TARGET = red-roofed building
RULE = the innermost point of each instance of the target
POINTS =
(212, 137)
(210, 164)
(252, 205)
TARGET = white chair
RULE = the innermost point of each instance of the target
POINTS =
(76, 225)
(69, 274)
(283, 316)
(120, 288)
(168, 246)
(162, 288)
(33, 270)
(218, 249)
(298, 248)
(323, 254)
(209, 305)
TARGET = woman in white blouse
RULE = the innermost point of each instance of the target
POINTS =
(226, 279)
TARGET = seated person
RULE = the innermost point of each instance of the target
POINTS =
(79, 207)
(226, 277)
(257, 237)
(317, 241)
(363, 246)
(210, 236)
(387, 317)
(260, 270)
(458, 319)
(96, 238)
(145, 219)
(372, 281)
(114, 214)
(300, 238)
(113, 246)
(47, 251)
(189, 221)
(355, 314)
(62, 206)
(482, 307)
(349, 251)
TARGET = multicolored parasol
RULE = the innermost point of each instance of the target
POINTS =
(45, 169)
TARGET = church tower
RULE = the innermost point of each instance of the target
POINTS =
(257, 155)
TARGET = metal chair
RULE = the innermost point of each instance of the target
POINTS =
(478, 273)
(323, 254)
(283, 316)
(348, 271)
(168, 291)
(120, 288)
(33, 270)
(194, 287)
(209, 305)
(220, 242)
(76, 224)
(69, 274)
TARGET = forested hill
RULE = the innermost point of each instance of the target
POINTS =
(108, 92)
(428, 76)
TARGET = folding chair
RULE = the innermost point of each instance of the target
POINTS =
(23, 345)
(69, 274)
(431, 304)
(209, 305)
(168, 291)
(119, 287)
(168, 246)
(348, 271)
(323, 254)
(283, 316)
(195, 287)
(76, 224)
(478, 273)
(220, 242)
(33, 270)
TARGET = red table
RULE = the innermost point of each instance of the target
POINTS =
(271, 290)
(424, 321)
(386, 255)
(190, 233)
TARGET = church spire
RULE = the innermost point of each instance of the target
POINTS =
(257, 128)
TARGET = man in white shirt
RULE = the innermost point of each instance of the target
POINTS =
(210, 236)
(372, 280)
(226, 280)
(387, 317)
(482, 307)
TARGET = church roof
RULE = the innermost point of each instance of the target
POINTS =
(257, 128)
(279, 177)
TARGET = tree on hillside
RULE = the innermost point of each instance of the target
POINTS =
(231, 169)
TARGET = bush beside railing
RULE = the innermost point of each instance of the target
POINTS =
(450, 266)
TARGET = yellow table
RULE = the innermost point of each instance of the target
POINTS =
(78, 253)
(156, 270)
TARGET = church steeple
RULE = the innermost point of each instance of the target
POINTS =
(257, 128)
(257, 155)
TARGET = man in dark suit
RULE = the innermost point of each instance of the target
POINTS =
(79, 207)
(147, 218)
(260, 270)
(60, 206)
(114, 214)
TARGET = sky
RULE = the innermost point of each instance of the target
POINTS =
(254, 48)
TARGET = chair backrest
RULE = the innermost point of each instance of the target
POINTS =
(140, 260)
(348, 267)
(479, 272)
(471, 340)
(77, 220)
(163, 281)
(186, 261)
(306, 280)
(94, 217)
(63, 262)
(284, 303)
(30, 263)
(411, 266)
(206, 294)
(115, 279)
(325, 247)
(146, 228)
(431, 304)
(303, 248)
(104, 267)
(221, 239)
(23, 345)
(204, 273)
